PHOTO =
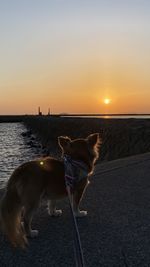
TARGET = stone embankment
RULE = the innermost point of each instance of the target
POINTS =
(120, 137)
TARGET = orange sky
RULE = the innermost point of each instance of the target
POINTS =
(71, 56)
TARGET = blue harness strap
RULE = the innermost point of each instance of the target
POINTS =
(75, 171)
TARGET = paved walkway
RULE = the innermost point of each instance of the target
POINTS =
(115, 233)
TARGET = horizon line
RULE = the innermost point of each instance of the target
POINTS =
(81, 114)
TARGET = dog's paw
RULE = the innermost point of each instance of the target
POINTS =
(80, 213)
(55, 213)
(33, 233)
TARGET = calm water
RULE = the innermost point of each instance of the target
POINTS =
(126, 117)
(14, 149)
(113, 117)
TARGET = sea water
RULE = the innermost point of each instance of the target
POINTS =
(14, 149)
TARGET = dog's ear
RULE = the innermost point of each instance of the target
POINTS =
(64, 141)
(93, 139)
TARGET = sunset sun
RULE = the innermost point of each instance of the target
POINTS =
(107, 101)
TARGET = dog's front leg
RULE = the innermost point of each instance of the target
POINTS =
(51, 207)
(77, 197)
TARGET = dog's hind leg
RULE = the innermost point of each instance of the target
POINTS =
(52, 211)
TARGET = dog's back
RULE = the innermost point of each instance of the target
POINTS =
(26, 186)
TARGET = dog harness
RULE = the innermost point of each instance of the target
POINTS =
(75, 171)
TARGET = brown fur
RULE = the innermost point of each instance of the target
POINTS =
(34, 180)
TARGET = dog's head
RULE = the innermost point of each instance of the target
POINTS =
(86, 150)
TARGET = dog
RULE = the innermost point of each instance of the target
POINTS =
(45, 178)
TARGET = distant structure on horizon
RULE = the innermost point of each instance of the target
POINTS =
(49, 113)
(39, 111)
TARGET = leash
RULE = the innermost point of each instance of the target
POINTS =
(70, 180)
(78, 252)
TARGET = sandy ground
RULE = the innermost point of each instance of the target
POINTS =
(115, 233)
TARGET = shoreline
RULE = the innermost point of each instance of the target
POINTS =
(21, 118)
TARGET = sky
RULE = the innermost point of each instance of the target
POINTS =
(70, 55)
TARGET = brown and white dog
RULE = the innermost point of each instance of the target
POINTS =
(42, 178)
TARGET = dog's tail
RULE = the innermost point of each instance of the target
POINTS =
(10, 217)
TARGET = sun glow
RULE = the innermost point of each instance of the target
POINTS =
(107, 101)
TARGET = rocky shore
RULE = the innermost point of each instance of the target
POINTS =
(120, 137)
